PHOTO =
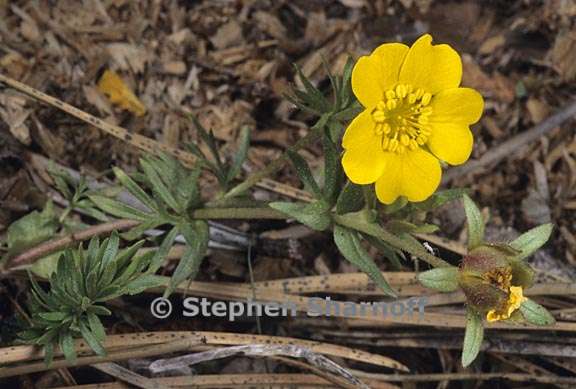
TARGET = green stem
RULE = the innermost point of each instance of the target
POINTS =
(237, 213)
(380, 233)
(275, 165)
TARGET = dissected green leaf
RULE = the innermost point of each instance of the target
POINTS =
(315, 215)
(91, 339)
(118, 209)
(132, 187)
(388, 251)
(67, 346)
(157, 179)
(351, 199)
(333, 173)
(304, 173)
(143, 283)
(162, 252)
(440, 198)
(313, 96)
(96, 327)
(82, 279)
(197, 236)
(241, 154)
(349, 245)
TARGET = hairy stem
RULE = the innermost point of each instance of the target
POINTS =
(380, 233)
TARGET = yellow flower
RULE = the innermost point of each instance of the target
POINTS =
(515, 299)
(415, 115)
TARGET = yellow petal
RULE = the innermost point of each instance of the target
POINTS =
(493, 316)
(414, 174)
(119, 93)
(451, 142)
(360, 131)
(432, 68)
(364, 166)
(374, 74)
(457, 105)
(363, 159)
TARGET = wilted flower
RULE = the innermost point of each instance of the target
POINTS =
(415, 115)
(493, 282)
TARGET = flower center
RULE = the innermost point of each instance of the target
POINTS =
(402, 118)
(500, 277)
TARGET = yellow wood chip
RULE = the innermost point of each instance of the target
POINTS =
(119, 93)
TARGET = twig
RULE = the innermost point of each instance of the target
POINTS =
(513, 145)
(284, 380)
(126, 375)
(35, 253)
(148, 351)
(293, 351)
(29, 256)
(517, 377)
(113, 343)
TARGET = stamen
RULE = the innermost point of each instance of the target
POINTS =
(426, 98)
(401, 91)
(405, 139)
(385, 142)
(401, 118)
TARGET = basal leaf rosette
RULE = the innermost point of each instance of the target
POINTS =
(415, 116)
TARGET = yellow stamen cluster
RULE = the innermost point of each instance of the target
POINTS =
(402, 118)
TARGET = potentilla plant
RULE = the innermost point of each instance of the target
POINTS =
(394, 119)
